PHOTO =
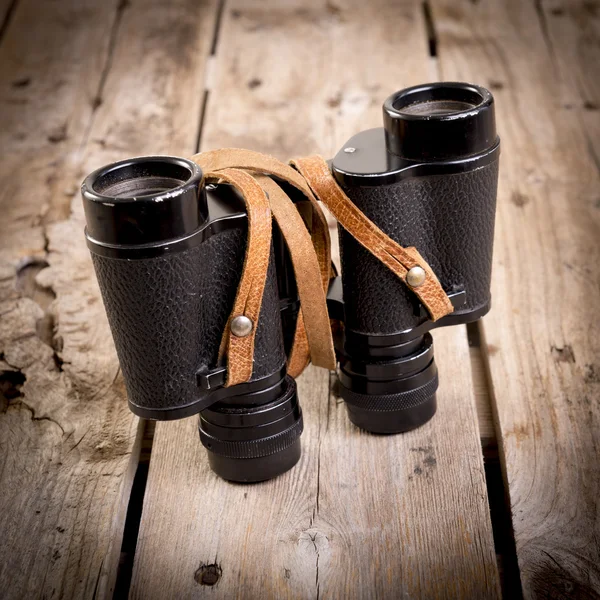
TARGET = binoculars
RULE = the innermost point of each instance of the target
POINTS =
(169, 250)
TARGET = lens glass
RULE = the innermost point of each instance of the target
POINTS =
(435, 101)
(141, 179)
(436, 107)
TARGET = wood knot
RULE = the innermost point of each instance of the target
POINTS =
(519, 199)
(427, 461)
(208, 574)
(564, 354)
(554, 580)
(314, 540)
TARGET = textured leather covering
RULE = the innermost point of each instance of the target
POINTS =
(389, 252)
(448, 218)
(167, 316)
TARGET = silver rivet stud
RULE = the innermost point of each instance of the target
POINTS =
(349, 150)
(415, 277)
(241, 326)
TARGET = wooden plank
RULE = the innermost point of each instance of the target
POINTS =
(88, 91)
(542, 337)
(360, 515)
(572, 30)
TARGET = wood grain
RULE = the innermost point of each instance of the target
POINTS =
(7, 8)
(360, 516)
(86, 92)
(542, 337)
(572, 34)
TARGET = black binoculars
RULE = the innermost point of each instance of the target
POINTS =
(169, 249)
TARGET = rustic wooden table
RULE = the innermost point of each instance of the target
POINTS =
(96, 503)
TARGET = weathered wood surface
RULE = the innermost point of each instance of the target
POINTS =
(572, 34)
(542, 339)
(6, 11)
(79, 88)
(361, 515)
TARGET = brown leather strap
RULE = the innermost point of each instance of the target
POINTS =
(398, 259)
(315, 318)
(310, 258)
(300, 353)
(249, 160)
(240, 350)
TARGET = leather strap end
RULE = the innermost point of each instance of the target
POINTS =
(398, 259)
(300, 354)
(430, 292)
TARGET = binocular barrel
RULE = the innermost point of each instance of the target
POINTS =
(427, 179)
(168, 253)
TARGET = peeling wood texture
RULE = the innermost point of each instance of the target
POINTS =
(86, 92)
(542, 338)
(360, 516)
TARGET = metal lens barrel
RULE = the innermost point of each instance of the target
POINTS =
(168, 253)
(428, 179)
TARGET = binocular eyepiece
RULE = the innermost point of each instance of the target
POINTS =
(439, 122)
(143, 202)
(169, 251)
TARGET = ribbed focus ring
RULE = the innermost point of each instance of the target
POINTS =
(391, 402)
(253, 448)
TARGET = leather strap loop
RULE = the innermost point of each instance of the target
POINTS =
(314, 319)
(398, 259)
(310, 253)
(310, 256)
(248, 300)
(256, 162)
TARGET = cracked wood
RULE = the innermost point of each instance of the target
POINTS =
(69, 445)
